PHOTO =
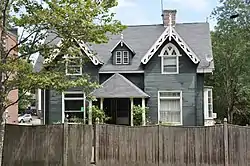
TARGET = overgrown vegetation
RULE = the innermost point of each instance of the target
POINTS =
(71, 21)
(137, 115)
(231, 50)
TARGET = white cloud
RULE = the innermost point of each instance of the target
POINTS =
(197, 5)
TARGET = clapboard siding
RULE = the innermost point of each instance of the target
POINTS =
(186, 81)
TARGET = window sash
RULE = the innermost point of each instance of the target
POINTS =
(170, 64)
(125, 57)
(208, 103)
(75, 68)
(118, 57)
(170, 107)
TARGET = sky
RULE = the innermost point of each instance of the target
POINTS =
(141, 12)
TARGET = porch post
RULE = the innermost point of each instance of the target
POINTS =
(143, 112)
(90, 112)
(101, 103)
(131, 112)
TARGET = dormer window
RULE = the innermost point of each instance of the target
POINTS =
(122, 57)
(170, 59)
(122, 53)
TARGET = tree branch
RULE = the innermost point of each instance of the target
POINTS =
(19, 98)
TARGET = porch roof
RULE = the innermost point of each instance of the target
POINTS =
(117, 86)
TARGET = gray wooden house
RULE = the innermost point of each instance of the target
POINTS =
(161, 67)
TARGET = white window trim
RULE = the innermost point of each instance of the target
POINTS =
(75, 74)
(162, 58)
(206, 113)
(171, 91)
(123, 57)
(118, 55)
(76, 98)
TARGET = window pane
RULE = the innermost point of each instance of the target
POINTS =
(125, 57)
(170, 61)
(170, 64)
(73, 70)
(74, 61)
(76, 95)
(73, 105)
(170, 94)
(170, 110)
(74, 115)
(210, 110)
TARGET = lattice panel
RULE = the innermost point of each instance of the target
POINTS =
(184, 46)
(89, 53)
(155, 47)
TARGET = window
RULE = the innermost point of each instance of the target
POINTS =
(208, 103)
(118, 57)
(125, 57)
(122, 57)
(74, 66)
(170, 107)
(73, 105)
(170, 59)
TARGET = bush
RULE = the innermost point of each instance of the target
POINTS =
(99, 113)
(137, 115)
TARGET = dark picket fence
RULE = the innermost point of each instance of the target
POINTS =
(111, 145)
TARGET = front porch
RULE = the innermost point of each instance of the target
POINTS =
(117, 97)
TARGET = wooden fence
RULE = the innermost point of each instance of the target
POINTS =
(72, 145)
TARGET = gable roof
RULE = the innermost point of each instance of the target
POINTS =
(122, 42)
(170, 33)
(54, 40)
(142, 37)
(117, 86)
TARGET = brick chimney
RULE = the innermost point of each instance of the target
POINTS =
(166, 17)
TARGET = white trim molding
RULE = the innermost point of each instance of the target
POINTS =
(73, 98)
(75, 66)
(170, 33)
(88, 52)
(171, 98)
(122, 42)
(120, 71)
(170, 51)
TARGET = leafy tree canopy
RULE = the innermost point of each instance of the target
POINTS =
(231, 49)
(70, 20)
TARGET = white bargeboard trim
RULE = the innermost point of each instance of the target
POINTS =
(171, 33)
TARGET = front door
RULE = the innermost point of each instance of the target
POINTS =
(122, 111)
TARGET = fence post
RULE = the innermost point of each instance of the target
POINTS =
(66, 142)
(96, 135)
(225, 127)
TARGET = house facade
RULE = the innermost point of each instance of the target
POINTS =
(161, 67)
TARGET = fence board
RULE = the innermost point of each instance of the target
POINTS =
(79, 145)
(127, 146)
(191, 146)
(33, 145)
(238, 144)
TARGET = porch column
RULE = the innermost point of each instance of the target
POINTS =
(143, 112)
(101, 103)
(131, 112)
(90, 112)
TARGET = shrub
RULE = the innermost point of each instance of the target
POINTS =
(137, 115)
(99, 113)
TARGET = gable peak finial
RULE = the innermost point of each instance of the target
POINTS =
(122, 37)
(170, 19)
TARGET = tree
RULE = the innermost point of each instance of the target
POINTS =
(70, 20)
(231, 51)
